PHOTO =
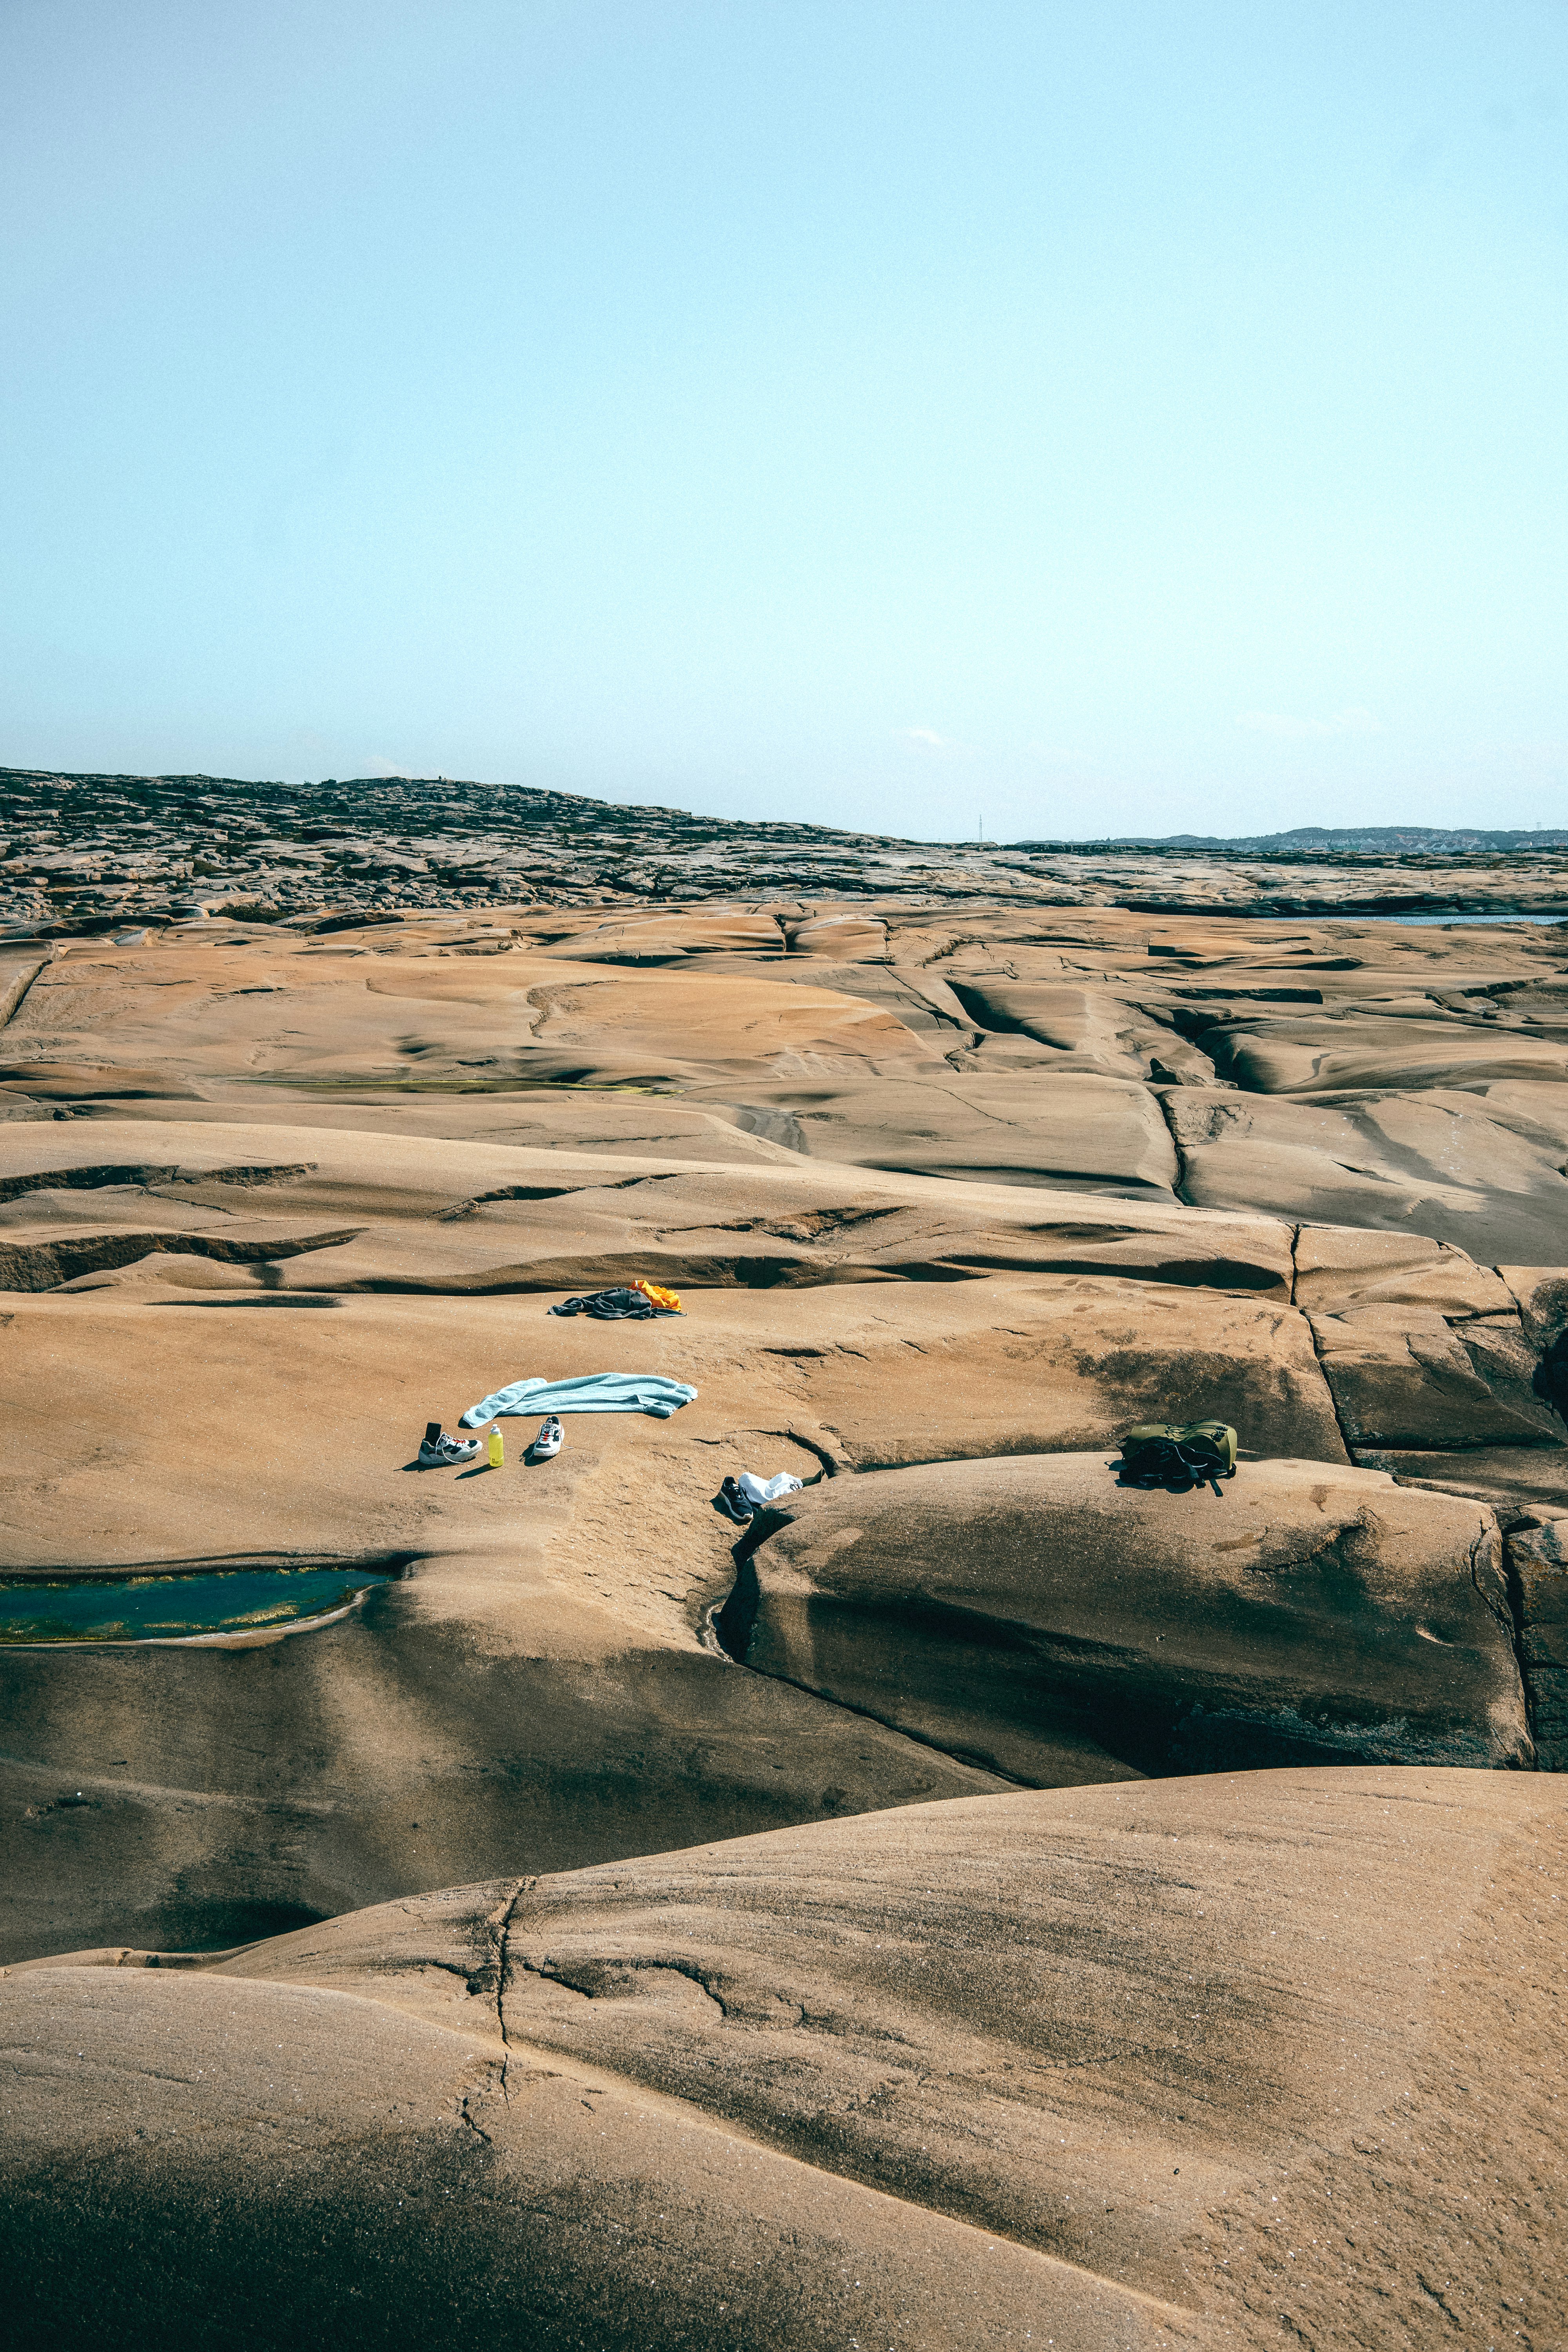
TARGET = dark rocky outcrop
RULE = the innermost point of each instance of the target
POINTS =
(1537, 1563)
(84, 852)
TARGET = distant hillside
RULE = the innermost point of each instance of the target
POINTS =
(1352, 840)
(79, 853)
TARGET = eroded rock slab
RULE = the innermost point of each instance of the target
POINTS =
(1436, 1369)
(1404, 1377)
(1076, 1132)
(197, 1797)
(546, 1652)
(1038, 1618)
(1052, 1364)
(435, 1215)
(1481, 1169)
(1049, 2067)
(924, 1169)
(1518, 1482)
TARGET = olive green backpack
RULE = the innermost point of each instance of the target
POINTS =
(1179, 1454)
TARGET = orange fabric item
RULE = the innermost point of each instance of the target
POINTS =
(659, 1297)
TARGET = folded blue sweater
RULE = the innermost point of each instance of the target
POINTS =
(591, 1393)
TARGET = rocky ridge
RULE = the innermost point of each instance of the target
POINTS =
(84, 852)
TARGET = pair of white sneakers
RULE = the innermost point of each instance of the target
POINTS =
(444, 1452)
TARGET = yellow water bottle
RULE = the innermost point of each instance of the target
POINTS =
(498, 1451)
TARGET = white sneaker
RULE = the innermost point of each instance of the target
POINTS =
(549, 1442)
(447, 1453)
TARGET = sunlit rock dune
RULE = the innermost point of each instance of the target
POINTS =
(1245, 2060)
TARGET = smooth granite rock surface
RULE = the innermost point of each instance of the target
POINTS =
(1046, 1620)
(962, 1160)
(1230, 2061)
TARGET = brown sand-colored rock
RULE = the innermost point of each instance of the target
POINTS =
(1481, 1169)
(545, 1652)
(1227, 2062)
(1046, 1622)
(322, 1013)
(1340, 1271)
(1469, 1153)
(670, 938)
(1053, 1364)
(1298, 1057)
(922, 1001)
(584, 1120)
(1080, 1132)
(954, 1193)
(1434, 1367)
(1404, 1377)
(1518, 1482)
(78, 1081)
(435, 1215)
(197, 1796)
(547, 1648)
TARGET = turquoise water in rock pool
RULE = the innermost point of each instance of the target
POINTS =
(172, 1607)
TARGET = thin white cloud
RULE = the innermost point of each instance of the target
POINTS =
(1354, 721)
(926, 739)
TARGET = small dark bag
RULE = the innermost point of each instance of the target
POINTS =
(1178, 1454)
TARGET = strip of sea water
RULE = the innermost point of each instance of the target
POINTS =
(1454, 921)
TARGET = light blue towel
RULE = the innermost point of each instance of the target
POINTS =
(593, 1392)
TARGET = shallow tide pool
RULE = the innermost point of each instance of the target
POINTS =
(175, 1608)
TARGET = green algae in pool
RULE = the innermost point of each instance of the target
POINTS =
(173, 1608)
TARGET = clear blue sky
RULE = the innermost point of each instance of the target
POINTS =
(1102, 416)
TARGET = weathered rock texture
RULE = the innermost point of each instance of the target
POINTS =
(954, 1189)
(1215, 2063)
(1539, 1560)
(87, 848)
(1043, 1621)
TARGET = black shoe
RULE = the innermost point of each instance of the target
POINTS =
(734, 1504)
